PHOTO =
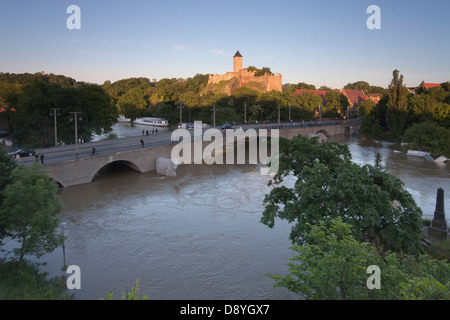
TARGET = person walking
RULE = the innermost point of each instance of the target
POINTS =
(142, 143)
(42, 158)
(93, 151)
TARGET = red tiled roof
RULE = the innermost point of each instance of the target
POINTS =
(354, 96)
(429, 85)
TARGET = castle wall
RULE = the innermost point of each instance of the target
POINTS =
(271, 82)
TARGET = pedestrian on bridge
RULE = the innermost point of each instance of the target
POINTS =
(93, 151)
(42, 158)
(142, 143)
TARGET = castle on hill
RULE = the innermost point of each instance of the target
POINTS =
(266, 82)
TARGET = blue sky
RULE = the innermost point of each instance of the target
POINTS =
(318, 42)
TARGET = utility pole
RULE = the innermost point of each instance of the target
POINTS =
(214, 115)
(75, 115)
(180, 106)
(54, 111)
(245, 112)
(279, 107)
(320, 113)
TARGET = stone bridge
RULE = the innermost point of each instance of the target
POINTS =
(83, 170)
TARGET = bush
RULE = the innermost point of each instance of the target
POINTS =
(28, 283)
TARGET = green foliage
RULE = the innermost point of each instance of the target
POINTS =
(7, 165)
(329, 185)
(363, 85)
(397, 112)
(365, 107)
(28, 283)
(33, 123)
(128, 295)
(30, 211)
(333, 265)
(430, 137)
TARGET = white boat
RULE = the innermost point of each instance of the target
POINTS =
(122, 119)
(160, 122)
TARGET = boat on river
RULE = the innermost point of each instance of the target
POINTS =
(160, 122)
(122, 119)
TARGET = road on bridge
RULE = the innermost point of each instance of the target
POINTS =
(105, 147)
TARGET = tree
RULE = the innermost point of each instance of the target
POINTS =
(33, 123)
(365, 107)
(328, 185)
(134, 96)
(430, 137)
(30, 211)
(7, 165)
(333, 265)
(397, 113)
(333, 105)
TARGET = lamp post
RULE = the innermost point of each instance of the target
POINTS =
(279, 107)
(53, 112)
(180, 106)
(76, 130)
(245, 112)
(214, 115)
(62, 224)
(289, 113)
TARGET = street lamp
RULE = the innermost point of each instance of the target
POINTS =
(62, 224)
(180, 106)
(76, 129)
(214, 115)
(320, 113)
(289, 113)
(279, 107)
(53, 112)
(245, 112)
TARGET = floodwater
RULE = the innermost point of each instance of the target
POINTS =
(198, 235)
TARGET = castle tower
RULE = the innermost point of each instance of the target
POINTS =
(237, 62)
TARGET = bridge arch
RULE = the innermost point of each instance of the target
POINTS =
(324, 132)
(60, 185)
(123, 163)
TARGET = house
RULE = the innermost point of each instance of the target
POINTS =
(354, 98)
(375, 97)
(427, 86)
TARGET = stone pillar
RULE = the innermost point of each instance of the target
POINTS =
(438, 226)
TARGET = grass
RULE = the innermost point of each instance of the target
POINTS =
(29, 283)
